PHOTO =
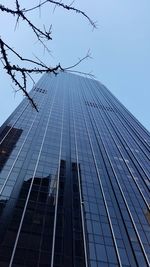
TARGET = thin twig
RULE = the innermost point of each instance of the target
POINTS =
(36, 66)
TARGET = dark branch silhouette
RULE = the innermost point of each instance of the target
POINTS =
(36, 66)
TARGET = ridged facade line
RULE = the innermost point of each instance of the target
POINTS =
(74, 179)
(17, 156)
(120, 139)
(131, 173)
(14, 123)
(80, 192)
(128, 209)
(112, 186)
(108, 93)
(103, 194)
(145, 172)
(130, 125)
(27, 199)
(132, 220)
(111, 119)
(57, 188)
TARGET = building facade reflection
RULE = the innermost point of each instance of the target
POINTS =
(74, 179)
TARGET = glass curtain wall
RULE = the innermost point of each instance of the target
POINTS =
(74, 179)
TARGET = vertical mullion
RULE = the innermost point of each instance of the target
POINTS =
(125, 201)
(27, 199)
(80, 191)
(103, 194)
(57, 188)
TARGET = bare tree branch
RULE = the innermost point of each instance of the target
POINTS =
(88, 55)
(35, 66)
(68, 7)
(20, 14)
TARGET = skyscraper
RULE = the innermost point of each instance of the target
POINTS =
(74, 179)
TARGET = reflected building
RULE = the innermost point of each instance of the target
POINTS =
(74, 179)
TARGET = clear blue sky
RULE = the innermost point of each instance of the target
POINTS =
(120, 49)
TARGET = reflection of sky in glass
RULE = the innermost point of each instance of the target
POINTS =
(81, 186)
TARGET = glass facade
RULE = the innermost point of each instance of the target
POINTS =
(74, 179)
